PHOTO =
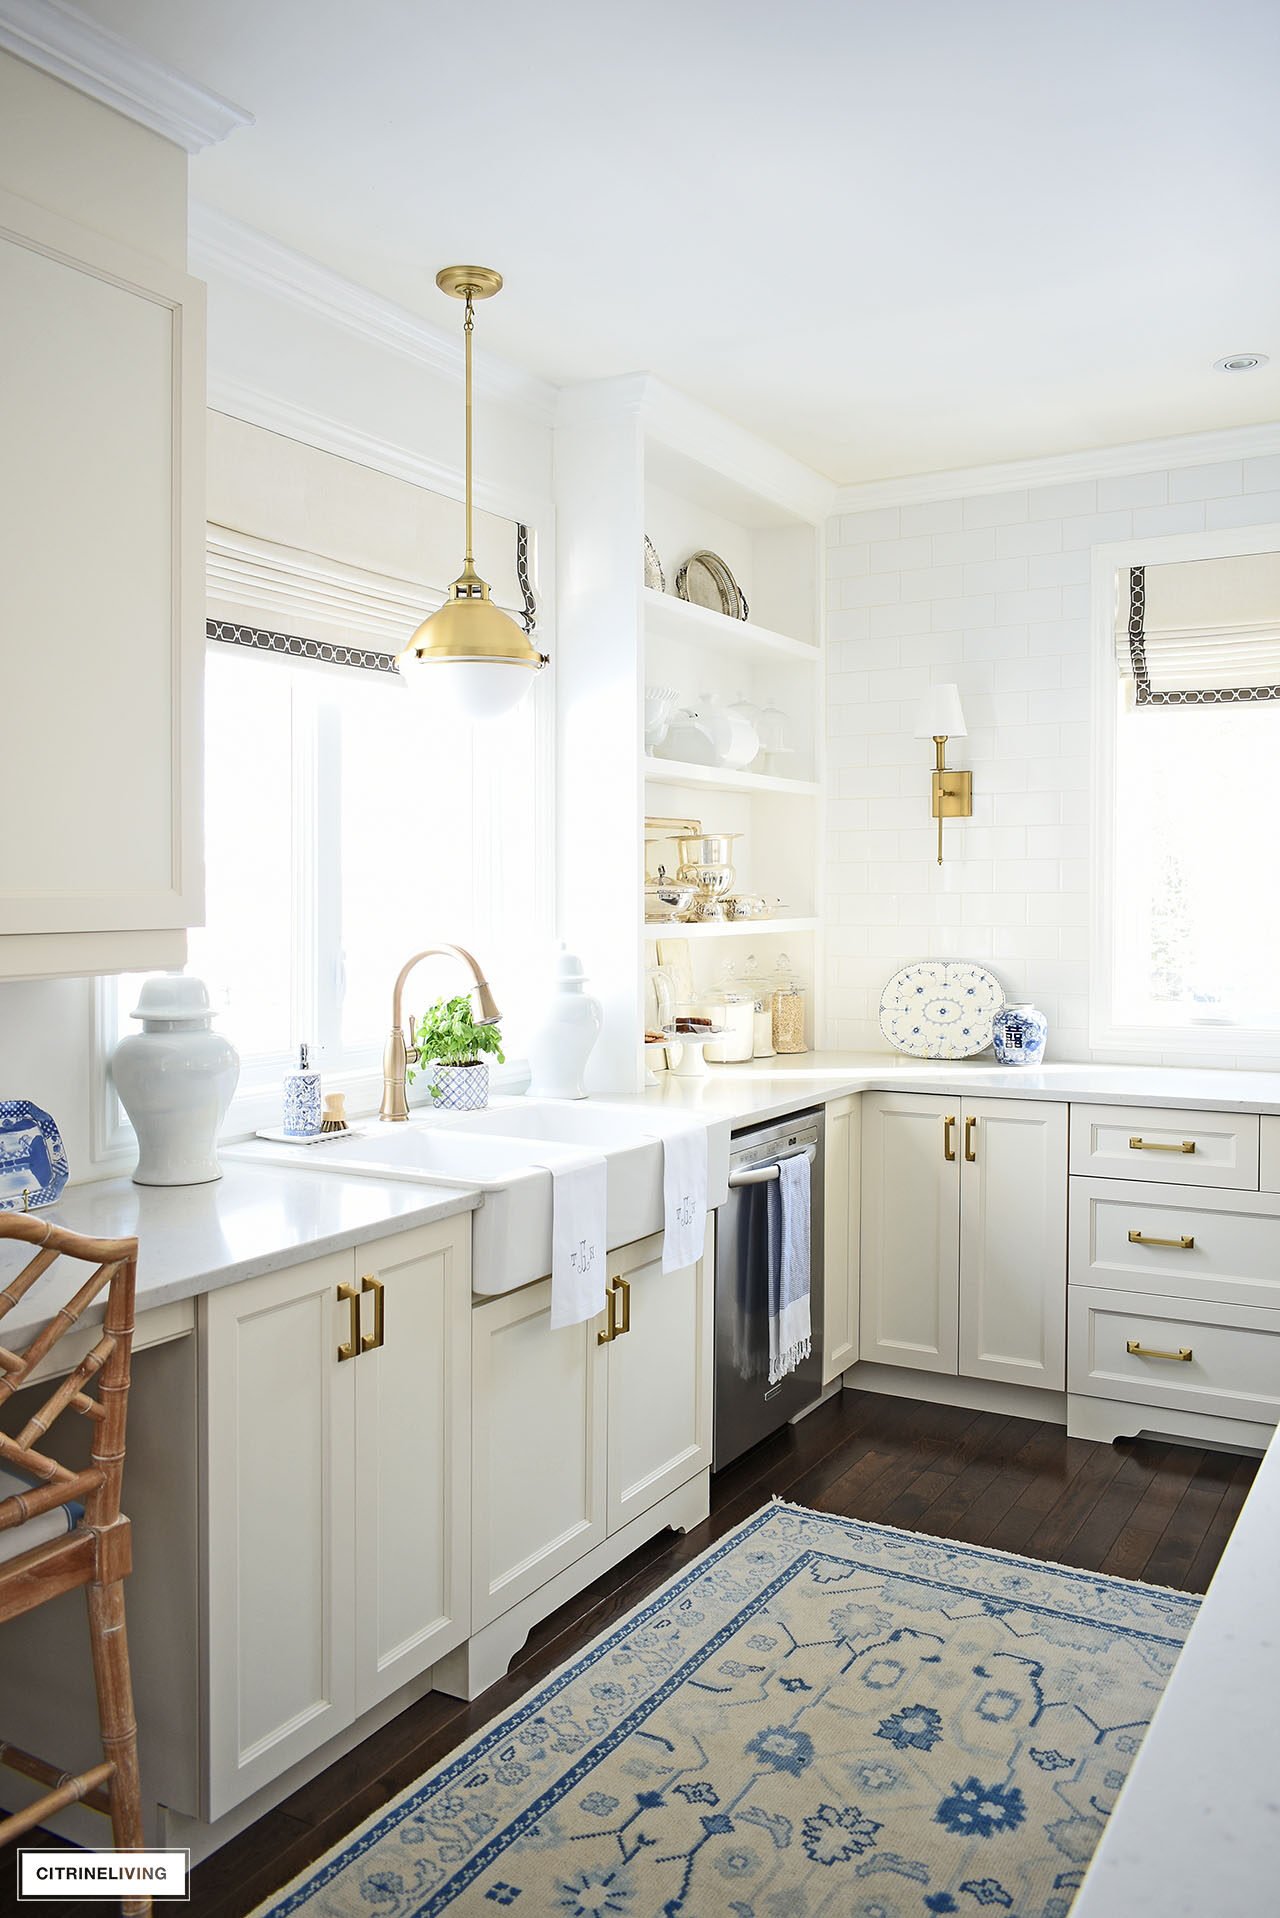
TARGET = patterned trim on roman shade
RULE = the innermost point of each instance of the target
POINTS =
(1199, 664)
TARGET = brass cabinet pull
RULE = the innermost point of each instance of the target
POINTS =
(610, 1332)
(1141, 1351)
(969, 1152)
(371, 1341)
(948, 1139)
(625, 1288)
(1178, 1245)
(348, 1296)
(1155, 1145)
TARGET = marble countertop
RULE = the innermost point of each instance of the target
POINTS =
(196, 1238)
(1196, 1829)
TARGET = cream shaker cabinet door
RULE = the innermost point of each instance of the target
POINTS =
(910, 1230)
(843, 1182)
(660, 1377)
(101, 594)
(279, 1524)
(413, 1454)
(1013, 1241)
(539, 1435)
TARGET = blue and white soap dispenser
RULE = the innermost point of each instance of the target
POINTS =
(302, 1099)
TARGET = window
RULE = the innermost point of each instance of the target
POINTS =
(1190, 723)
(345, 830)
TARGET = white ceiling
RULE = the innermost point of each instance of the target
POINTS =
(891, 238)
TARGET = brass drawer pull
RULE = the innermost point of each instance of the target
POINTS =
(371, 1341)
(1141, 1351)
(1155, 1145)
(948, 1138)
(610, 1332)
(623, 1285)
(969, 1153)
(348, 1296)
(1179, 1245)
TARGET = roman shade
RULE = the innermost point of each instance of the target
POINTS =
(1201, 632)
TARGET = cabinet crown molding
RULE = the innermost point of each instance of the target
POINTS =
(62, 41)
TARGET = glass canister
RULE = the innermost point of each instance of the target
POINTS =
(761, 990)
(789, 1006)
(739, 1011)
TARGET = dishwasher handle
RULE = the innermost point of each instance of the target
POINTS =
(766, 1174)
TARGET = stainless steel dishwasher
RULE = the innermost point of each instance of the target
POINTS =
(747, 1407)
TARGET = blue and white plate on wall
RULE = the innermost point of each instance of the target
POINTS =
(33, 1158)
(940, 1008)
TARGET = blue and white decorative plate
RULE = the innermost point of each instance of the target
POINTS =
(33, 1158)
(940, 1008)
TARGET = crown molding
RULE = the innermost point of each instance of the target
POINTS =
(257, 407)
(60, 40)
(1105, 462)
(217, 243)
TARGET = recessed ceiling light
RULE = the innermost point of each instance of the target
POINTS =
(1239, 362)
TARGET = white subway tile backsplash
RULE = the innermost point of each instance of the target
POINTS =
(958, 549)
(882, 522)
(1132, 489)
(933, 582)
(1096, 529)
(942, 516)
(1060, 502)
(892, 555)
(993, 593)
(995, 509)
(848, 562)
(1262, 475)
(1255, 509)
(1206, 482)
(1035, 536)
(1153, 522)
(995, 576)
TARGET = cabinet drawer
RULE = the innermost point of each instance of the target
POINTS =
(1269, 1154)
(1233, 1254)
(1166, 1147)
(1233, 1369)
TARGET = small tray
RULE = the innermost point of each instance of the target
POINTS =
(278, 1137)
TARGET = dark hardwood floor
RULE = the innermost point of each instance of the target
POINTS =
(1137, 1509)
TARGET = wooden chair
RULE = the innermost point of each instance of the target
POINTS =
(95, 1549)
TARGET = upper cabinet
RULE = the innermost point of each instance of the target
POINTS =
(101, 564)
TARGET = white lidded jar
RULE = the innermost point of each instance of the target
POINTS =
(175, 1079)
(566, 1036)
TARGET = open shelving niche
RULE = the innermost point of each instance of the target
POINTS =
(635, 458)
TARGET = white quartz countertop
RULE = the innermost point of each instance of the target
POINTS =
(195, 1238)
(1196, 1830)
(766, 1088)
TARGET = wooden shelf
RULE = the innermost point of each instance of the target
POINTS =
(729, 929)
(667, 614)
(676, 772)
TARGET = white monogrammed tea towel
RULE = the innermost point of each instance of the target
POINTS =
(684, 1193)
(579, 1216)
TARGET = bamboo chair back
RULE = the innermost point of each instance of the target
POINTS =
(105, 1366)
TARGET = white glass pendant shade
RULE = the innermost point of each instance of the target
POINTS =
(940, 715)
(471, 657)
(468, 688)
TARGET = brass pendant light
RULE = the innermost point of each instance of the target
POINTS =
(490, 660)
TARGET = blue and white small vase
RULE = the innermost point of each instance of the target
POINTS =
(457, 1088)
(1018, 1034)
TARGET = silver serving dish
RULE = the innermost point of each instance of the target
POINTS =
(668, 900)
(706, 849)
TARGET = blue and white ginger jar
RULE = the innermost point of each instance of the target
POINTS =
(1018, 1034)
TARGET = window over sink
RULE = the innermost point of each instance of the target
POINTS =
(345, 830)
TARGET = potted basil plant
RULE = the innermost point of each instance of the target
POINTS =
(451, 1044)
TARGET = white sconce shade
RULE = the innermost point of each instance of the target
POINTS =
(940, 715)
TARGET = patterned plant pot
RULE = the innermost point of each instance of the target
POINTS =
(457, 1088)
(1018, 1034)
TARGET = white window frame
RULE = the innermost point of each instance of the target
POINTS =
(112, 1137)
(1108, 1034)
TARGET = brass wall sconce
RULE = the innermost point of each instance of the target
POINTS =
(941, 718)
